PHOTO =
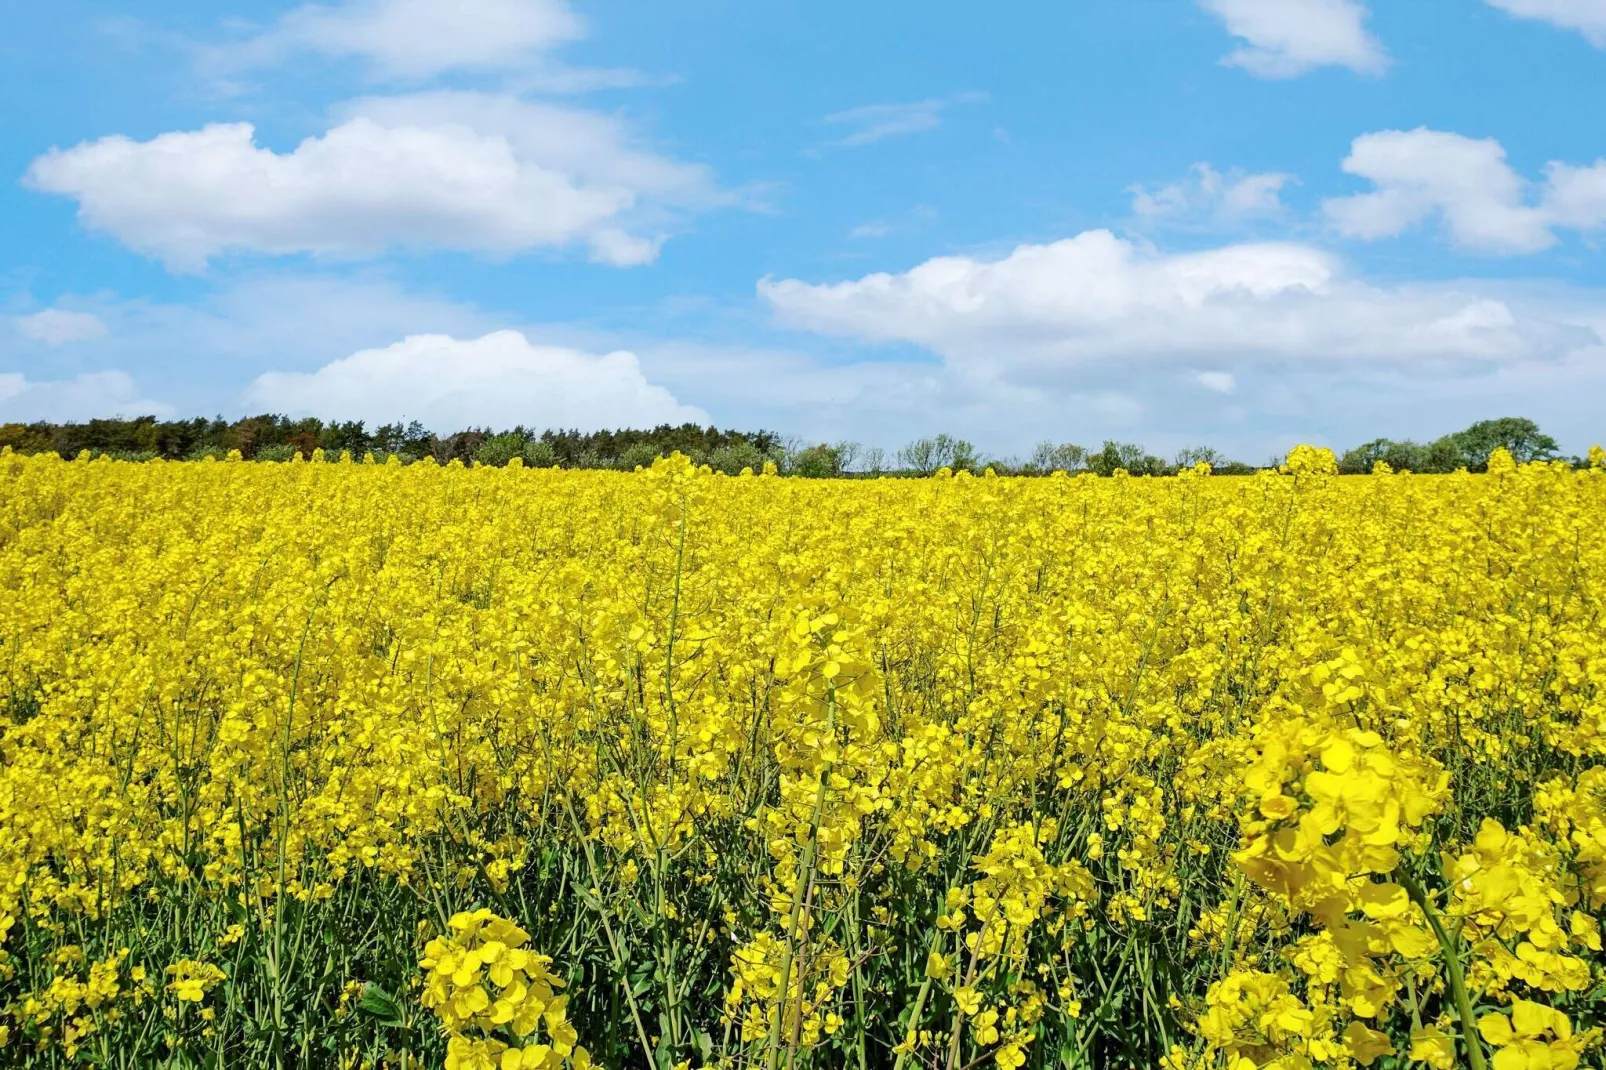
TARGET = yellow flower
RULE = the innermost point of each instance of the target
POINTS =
(1434, 1046)
(192, 980)
(968, 999)
(1010, 1057)
(1365, 1045)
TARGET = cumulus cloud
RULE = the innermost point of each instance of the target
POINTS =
(83, 397)
(1249, 347)
(413, 39)
(501, 379)
(1286, 38)
(437, 171)
(1576, 196)
(1588, 17)
(1045, 311)
(61, 326)
(1207, 194)
(1469, 187)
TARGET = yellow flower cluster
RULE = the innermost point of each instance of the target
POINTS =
(192, 980)
(1289, 770)
(80, 997)
(480, 980)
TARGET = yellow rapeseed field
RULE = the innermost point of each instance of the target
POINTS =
(334, 764)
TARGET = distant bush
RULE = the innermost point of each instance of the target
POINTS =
(497, 450)
(732, 459)
(539, 454)
(815, 462)
(1126, 456)
(132, 456)
(639, 455)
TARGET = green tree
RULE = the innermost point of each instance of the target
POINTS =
(1520, 436)
(1064, 457)
(497, 450)
(1187, 458)
(816, 462)
(1129, 456)
(735, 457)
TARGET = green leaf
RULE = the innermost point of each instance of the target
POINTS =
(379, 1004)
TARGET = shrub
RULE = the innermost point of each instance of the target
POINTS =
(640, 455)
(497, 450)
(732, 459)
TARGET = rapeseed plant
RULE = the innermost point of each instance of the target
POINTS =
(333, 763)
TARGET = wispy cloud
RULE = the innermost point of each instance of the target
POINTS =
(870, 123)
(1206, 195)
(61, 326)
(1588, 17)
(873, 229)
(917, 218)
(411, 39)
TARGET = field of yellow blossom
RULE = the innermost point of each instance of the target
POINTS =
(334, 764)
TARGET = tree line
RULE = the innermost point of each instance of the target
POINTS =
(271, 437)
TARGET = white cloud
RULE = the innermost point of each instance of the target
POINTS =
(876, 122)
(61, 326)
(1424, 173)
(1576, 196)
(84, 397)
(1208, 194)
(436, 171)
(1588, 17)
(597, 148)
(1285, 38)
(1095, 337)
(1045, 312)
(1466, 183)
(501, 379)
(198, 356)
(414, 39)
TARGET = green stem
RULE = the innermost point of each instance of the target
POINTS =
(1451, 945)
(805, 880)
(613, 943)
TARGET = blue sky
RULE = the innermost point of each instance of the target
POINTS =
(1245, 223)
